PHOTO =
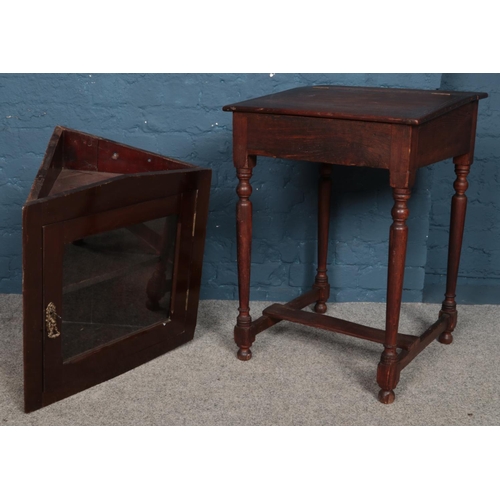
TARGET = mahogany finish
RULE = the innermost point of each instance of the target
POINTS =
(87, 186)
(381, 105)
(324, 195)
(399, 130)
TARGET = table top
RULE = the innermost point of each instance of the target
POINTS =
(406, 106)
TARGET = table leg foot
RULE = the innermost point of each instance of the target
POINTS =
(244, 354)
(386, 397)
(243, 338)
(445, 338)
(320, 307)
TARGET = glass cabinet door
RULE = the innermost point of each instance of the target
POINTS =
(115, 283)
(113, 291)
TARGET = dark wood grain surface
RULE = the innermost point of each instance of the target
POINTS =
(400, 130)
(86, 186)
(407, 106)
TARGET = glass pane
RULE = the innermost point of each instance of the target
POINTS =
(116, 283)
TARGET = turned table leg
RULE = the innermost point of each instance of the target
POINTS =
(388, 373)
(457, 222)
(324, 196)
(242, 334)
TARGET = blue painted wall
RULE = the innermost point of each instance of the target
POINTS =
(180, 116)
(479, 275)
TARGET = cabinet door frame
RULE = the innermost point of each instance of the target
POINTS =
(50, 223)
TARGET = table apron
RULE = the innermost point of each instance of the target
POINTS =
(447, 136)
(358, 143)
(341, 142)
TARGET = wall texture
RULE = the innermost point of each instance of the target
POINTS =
(180, 116)
(479, 280)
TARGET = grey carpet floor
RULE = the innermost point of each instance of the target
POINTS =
(298, 375)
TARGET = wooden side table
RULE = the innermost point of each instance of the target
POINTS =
(396, 129)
